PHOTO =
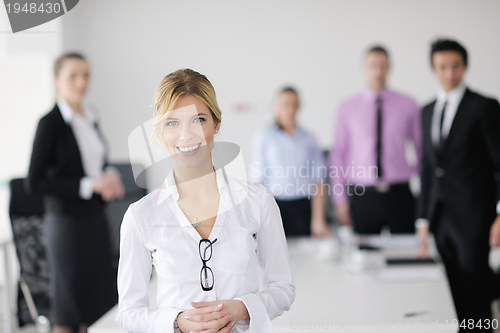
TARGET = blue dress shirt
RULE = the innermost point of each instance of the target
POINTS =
(290, 166)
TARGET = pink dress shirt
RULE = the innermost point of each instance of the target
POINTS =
(353, 159)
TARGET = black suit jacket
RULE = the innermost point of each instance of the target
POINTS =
(462, 175)
(56, 167)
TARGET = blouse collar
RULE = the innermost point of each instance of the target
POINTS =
(68, 113)
(169, 187)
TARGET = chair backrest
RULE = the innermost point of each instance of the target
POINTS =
(26, 216)
(23, 203)
(128, 177)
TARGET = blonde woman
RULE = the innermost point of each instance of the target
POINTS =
(204, 232)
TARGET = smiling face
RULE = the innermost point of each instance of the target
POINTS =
(188, 132)
(72, 80)
(449, 67)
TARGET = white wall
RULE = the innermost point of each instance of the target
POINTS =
(26, 90)
(250, 49)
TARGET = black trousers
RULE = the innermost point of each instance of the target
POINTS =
(471, 280)
(372, 210)
(296, 216)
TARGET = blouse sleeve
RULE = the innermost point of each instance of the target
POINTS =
(272, 252)
(134, 271)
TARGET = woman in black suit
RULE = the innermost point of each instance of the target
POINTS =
(68, 167)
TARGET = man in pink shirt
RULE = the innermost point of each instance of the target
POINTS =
(368, 164)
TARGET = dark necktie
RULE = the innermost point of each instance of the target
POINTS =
(379, 137)
(441, 122)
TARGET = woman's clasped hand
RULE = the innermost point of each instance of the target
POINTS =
(215, 316)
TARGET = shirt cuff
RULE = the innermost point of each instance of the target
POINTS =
(259, 318)
(421, 223)
(164, 321)
(498, 208)
(86, 188)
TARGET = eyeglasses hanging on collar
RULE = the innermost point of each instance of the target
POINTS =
(206, 273)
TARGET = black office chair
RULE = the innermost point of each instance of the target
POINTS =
(26, 216)
(116, 209)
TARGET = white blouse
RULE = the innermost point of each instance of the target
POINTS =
(248, 229)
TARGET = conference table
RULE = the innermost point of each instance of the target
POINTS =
(344, 289)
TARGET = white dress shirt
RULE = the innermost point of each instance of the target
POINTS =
(92, 150)
(452, 99)
(249, 231)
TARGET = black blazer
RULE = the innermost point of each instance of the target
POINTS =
(463, 173)
(56, 167)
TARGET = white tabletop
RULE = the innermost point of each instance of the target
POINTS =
(335, 294)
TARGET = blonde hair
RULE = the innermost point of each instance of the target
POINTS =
(183, 82)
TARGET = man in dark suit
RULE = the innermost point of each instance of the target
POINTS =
(458, 203)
